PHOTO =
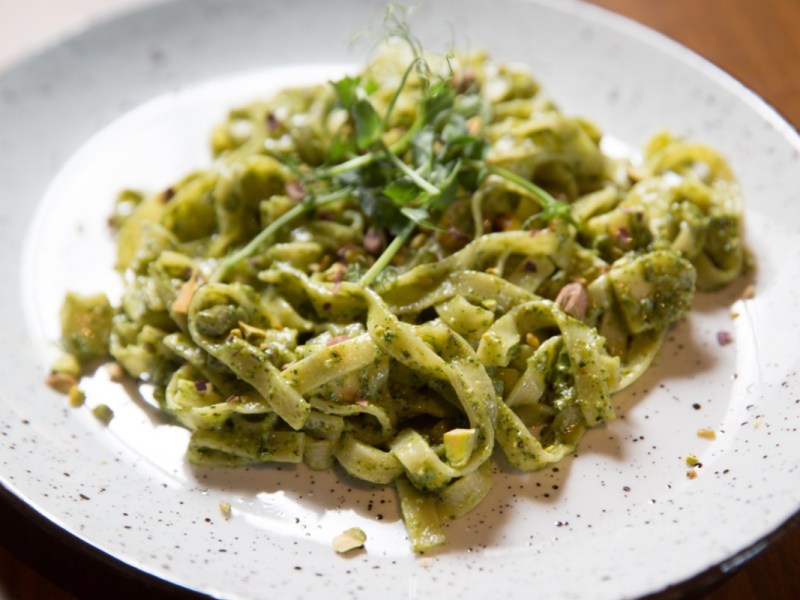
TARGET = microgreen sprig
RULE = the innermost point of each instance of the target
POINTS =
(551, 208)
(409, 183)
(308, 204)
(387, 255)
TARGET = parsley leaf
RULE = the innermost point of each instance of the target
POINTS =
(369, 125)
(402, 191)
(346, 91)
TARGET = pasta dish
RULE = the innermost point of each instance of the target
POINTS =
(403, 270)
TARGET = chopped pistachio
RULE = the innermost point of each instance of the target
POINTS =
(225, 508)
(185, 293)
(76, 396)
(103, 413)
(573, 300)
(474, 125)
(532, 340)
(724, 338)
(249, 332)
(348, 540)
(458, 445)
(61, 382)
(636, 173)
(115, 371)
(708, 434)
(418, 241)
(692, 460)
(67, 363)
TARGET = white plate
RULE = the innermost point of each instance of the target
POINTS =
(130, 102)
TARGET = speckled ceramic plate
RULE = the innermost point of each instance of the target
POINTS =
(131, 102)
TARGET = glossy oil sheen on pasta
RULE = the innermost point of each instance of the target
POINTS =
(400, 271)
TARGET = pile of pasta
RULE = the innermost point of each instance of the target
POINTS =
(527, 278)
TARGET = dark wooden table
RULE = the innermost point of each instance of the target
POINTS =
(754, 40)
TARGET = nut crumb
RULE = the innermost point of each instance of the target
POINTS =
(532, 340)
(636, 173)
(708, 434)
(749, 292)
(225, 509)
(573, 299)
(68, 364)
(692, 460)
(724, 338)
(185, 293)
(76, 397)
(348, 540)
(296, 190)
(61, 382)
(691, 474)
(115, 372)
(103, 413)
(418, 241)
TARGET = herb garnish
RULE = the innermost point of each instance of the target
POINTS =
(407, 184)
